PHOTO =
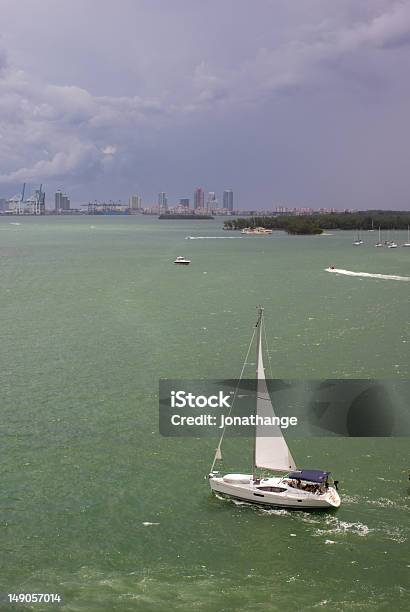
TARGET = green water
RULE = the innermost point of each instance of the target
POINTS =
(93, 313)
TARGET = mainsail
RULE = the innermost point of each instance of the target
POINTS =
(271, 450)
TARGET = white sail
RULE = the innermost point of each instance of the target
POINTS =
(271, 450)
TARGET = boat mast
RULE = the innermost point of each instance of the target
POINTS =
(218, 453)
(258, 326)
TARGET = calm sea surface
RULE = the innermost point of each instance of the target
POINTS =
(98, 507)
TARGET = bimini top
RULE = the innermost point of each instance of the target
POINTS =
(311, 475)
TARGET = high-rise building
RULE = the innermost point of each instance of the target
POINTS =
(199, 198)
(57, 200)
(228, 199)
(40, 197)
(163, 200)
(184, 202)
(212, 202)
(61, 201)
(135, 202)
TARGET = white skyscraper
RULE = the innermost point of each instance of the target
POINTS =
(61, 201)
(135, 202)
(163, 200)
(212, 202)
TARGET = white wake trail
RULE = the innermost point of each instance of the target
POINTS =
(368, 275)
(212, 237)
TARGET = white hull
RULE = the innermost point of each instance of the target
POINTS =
(259, 231)
(181, 261)
(242, 487)
(297, 489)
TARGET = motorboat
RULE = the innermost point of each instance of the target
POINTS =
(256, 231)
(182, 261)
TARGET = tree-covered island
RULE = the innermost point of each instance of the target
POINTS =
(317, 223)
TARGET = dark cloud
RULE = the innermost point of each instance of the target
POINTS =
(171, 96)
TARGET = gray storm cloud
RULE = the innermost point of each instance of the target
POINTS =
(184, 111)
(65, 125)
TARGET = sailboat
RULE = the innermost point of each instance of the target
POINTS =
(379, 243)
(358, 240)
(407, 244)
(392, 245)
(294, 488)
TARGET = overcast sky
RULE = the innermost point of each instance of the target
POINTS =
(299, 102)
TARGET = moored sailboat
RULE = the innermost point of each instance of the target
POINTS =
(294, 488)
(407, 244)
(358, 240)
(379, 243)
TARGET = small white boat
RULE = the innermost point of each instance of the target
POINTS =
(379, 243)
(299, 489)
(391, 244)
(256, 231)
(407, 244)
(182, 261)
(358, 240)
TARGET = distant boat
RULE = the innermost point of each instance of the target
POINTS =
(407, 244)
(256, 231)
(358, 240)
(298, 489)
(379, 243)
(372, 228)
(182, 261)
(392, 244)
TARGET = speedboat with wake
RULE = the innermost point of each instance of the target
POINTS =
(292, 488)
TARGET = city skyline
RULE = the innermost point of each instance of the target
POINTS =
(306, 106)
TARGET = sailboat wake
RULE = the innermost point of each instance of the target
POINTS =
(335, 526)
(368, 274)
